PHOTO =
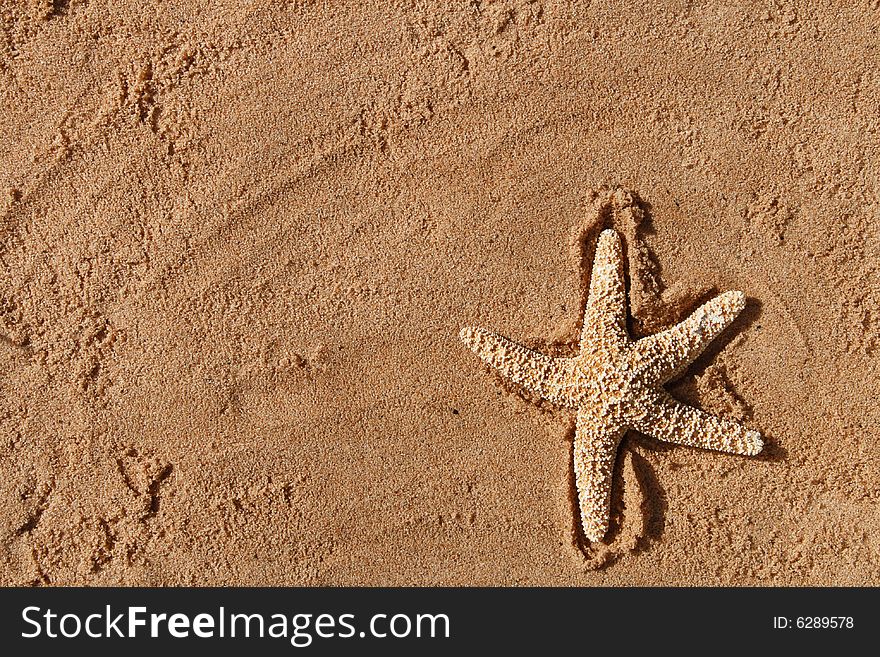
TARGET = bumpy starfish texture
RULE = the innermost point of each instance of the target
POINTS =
(615, 382)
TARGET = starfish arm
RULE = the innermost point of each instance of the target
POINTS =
(605, 315)
(671, 421)
(534, 371)
(595, 449)
(665, 355)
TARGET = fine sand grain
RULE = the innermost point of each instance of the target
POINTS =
(238, 242)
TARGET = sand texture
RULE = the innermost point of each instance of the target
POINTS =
(238, 242)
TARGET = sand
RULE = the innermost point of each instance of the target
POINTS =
(238, 241)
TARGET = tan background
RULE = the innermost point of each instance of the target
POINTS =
(239, 240)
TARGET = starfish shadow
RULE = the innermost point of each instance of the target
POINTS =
(653, 505)
(773, 451)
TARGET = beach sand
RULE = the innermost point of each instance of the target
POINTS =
(238, 242)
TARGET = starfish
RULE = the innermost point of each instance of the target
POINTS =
(616, 383)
